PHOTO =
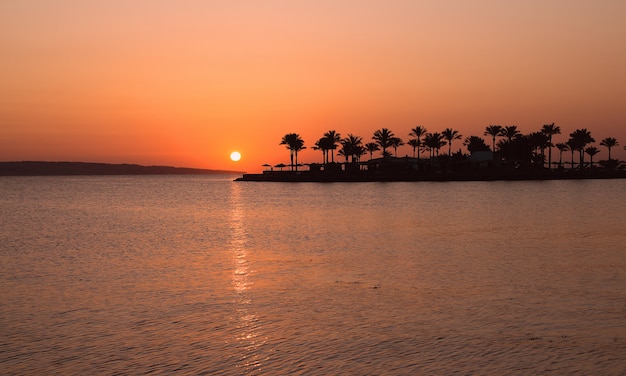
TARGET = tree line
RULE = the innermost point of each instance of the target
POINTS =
(508, 142)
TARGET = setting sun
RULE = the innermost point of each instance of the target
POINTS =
(235, 156)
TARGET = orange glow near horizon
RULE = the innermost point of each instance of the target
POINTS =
(186, 84)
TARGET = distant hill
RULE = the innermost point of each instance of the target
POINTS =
(28, 168)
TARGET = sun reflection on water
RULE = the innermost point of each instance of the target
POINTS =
(248, 327)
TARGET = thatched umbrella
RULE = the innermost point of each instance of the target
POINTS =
(281, 165)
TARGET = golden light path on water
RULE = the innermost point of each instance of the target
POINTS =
(248, 336)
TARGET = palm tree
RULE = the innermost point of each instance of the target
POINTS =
(352, 145)
(591, 150)
(323, 144)
(449, 134)
(344, 151)
(572, 146)
(371, 147)
(493, 131)
(415, 144)
(550, 130)
(580, 139)
(539, 142)
(609, 142)
(294, 143)
(562, 147)
(395, 143)
(418, 132)
(434, 142)
(383, 138)
(510, 132)
(333, 139)
(357, 152)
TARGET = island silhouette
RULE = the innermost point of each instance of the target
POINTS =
(511, 156)
(35, 168)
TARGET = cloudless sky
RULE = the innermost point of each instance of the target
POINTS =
(186, 82)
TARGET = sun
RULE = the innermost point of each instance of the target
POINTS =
(235, 156)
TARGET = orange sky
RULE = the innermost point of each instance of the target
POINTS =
(184, 83)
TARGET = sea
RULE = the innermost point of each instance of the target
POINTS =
(202, 275)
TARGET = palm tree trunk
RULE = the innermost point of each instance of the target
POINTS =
(582, 159)
(418, 153)
(550, 153)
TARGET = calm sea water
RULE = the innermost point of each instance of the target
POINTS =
(203, 275)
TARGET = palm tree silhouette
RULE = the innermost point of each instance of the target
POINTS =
(572, 146)
(294, 143)
(418, 132)
(449, 134)
(493, 131)
(333, 139)
(562, 147)
(581, 138)
(550, 130)
(371, 147)
(323, 144)
(591, 150)
(434, 142)
(539, 142)
(344, 151)
(395, 143)
(415, 144)
(510, 132)
(609, 142)
(383, 138)
(352, 146)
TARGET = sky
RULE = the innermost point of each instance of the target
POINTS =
(186, 82)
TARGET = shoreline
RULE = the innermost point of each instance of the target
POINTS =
(365, 176)
(37, 168)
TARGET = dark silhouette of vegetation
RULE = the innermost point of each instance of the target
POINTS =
(352, 146)
(415, 144)
(434, 142)
(514, 155)
(562, 148)
(493, 131)
(509, 132)
(383, 137)
(475, 143)
(580, 139)
(572, 147)
(418, 132)
(591, 150)
(324, 144)
(450, 135)
(371, 147)
(294, 143)
(395, 143)
(550, 130)
(609, 142)
(333, 138)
